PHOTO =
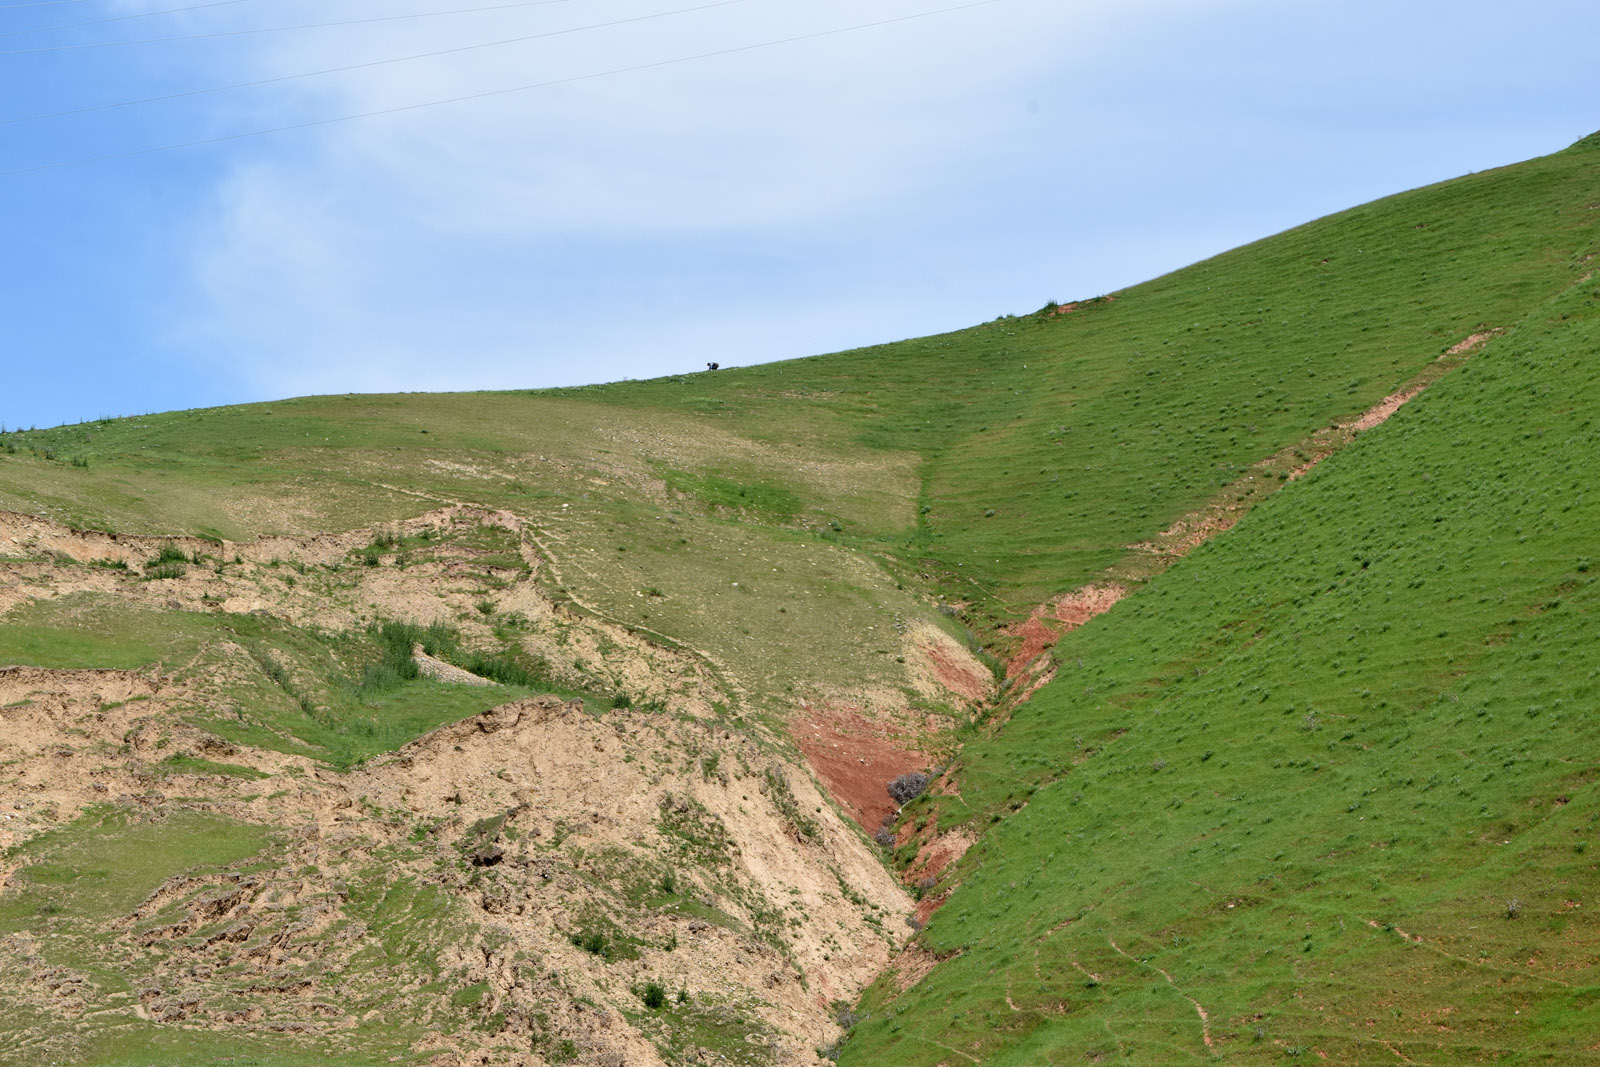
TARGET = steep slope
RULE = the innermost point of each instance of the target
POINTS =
(244, 813)
(1325, 788)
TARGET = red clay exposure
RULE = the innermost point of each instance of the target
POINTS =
(855, 758)
(965, 679)
(1050, 620)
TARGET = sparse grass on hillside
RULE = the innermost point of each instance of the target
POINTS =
(1082, 432)
(339, 697)
(101, 866)
(83, 880)
(353, 696)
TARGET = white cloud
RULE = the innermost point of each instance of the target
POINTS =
(785, 201)
(359, 255)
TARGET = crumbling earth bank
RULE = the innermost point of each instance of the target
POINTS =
(505, 889)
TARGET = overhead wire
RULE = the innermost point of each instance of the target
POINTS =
(41, 3)
(490, 93)
(121, 18)
(365, 65)
(249, 30)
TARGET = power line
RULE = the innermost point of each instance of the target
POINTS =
(362, 66)
(283, 29)
(41, 3)
(403, 108)
(121, 18)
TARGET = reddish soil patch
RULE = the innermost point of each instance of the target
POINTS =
(961, 678)
(1071, 306)
(1075, 609)
(1037, 636)
(937, 854)
(1053, 618)
(928, 905)
(856, 758)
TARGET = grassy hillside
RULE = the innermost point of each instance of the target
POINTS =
(1331, 779)
(1322, 787)
(1081, 432)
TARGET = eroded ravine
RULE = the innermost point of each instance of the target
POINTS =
(702, 854)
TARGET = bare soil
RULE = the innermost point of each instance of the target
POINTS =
(584, 809)
(856, 757)
(1044, 627)
(942, 668)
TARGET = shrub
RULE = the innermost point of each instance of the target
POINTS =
(508, 668)
(654, 996)
(162, 571)
(908, 787)
(395, 664)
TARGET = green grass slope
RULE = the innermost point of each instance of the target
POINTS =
(1009, 461)
(1052, 441)
(1331, 780)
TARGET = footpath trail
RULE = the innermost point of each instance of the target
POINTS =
(1031, 666)
(1205, 1018)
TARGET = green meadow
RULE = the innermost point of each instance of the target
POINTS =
(1331, 778)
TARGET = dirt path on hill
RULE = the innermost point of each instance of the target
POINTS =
(1049, 621)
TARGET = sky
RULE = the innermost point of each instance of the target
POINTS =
(220, 201)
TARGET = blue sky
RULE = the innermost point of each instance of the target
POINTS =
(775, 201)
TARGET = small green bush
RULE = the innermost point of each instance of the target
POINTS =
(169, 554)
